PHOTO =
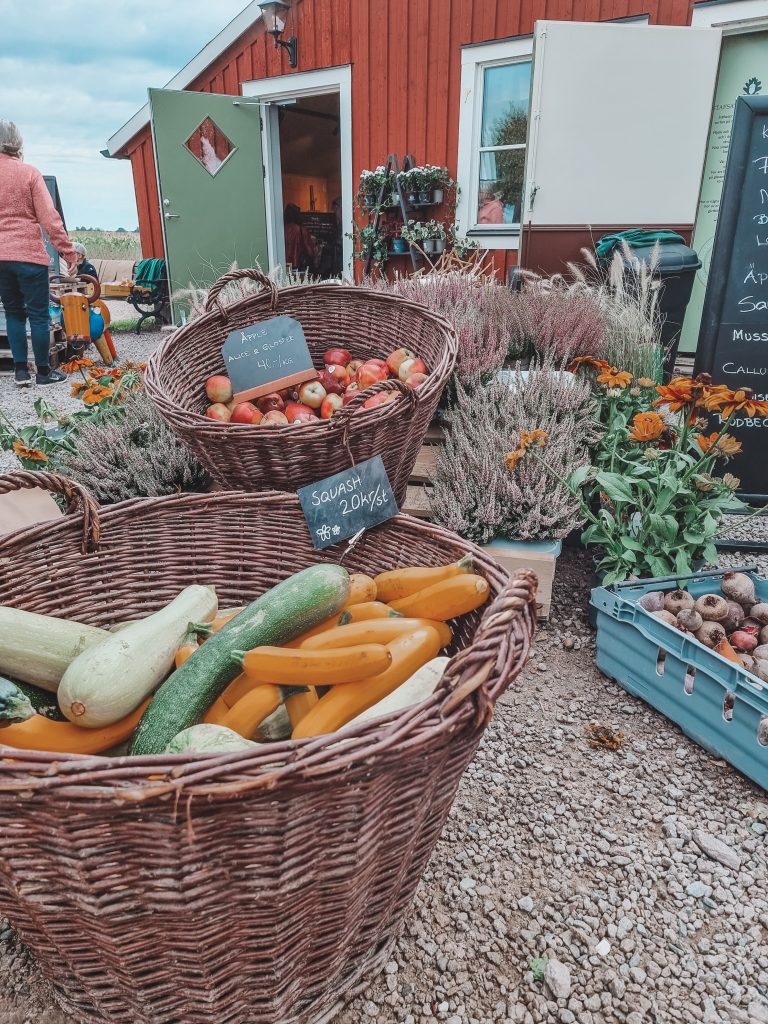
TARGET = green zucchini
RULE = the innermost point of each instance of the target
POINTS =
(14, 703)
(286, 611)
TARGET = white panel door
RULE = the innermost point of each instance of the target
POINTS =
(619, 123)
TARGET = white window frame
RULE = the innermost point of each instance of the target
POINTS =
(288, 87)
(474, 60)
(734, 17)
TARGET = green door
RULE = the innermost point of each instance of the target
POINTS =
(211, 181)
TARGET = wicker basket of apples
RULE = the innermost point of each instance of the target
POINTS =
(381, 364)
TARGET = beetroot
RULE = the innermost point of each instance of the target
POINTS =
(764, 635)
(760, 653)
(743, 641)
(712, 607)
(676, 600)
(710, 634)
(761, 670)
(653, 601)
(759, 612)
(689, 618)
(665, 616)
(735, 617)
(750, 625)
(748, 662)
(738, 587)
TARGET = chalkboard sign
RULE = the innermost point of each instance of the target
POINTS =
(341, 505)
(733, 343)
(266, 357)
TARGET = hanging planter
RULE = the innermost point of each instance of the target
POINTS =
(399, 246)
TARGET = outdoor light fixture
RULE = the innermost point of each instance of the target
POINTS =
(274, 12)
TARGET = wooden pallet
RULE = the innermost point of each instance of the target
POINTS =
(417, 504)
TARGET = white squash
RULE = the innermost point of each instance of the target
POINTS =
(421, 685)
(207, 738)
(108, 681)
(38, 649)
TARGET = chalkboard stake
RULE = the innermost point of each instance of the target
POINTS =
(267, 356)
(280, 384)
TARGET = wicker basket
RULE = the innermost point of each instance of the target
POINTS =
(244, 887)
(369, 324)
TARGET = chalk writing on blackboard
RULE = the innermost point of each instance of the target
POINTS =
(268, 356)
(339, 506)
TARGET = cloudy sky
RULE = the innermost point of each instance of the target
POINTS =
(71, 73)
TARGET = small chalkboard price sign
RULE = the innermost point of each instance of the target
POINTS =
(344, 504)
(266, 357)
(733, 343)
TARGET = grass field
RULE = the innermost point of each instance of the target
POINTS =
(109, 245)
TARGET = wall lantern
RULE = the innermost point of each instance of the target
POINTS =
(274, 12)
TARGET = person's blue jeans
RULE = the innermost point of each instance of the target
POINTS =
(24, 295)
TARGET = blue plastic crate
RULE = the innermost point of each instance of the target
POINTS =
(719, 705)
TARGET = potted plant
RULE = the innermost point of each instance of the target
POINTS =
(434, 237)
(462, 245)
(390, 228)
(371, 243)
(413, 234)
(370, 186)
(409, 183)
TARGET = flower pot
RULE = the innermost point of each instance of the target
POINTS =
(399, 245)
(539, 555)
(369, 201)
(425, 195)
(438, 245)
(438, 195)
(428, 245)
(411, 196)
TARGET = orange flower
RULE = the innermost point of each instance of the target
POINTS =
(647, 426)
(77, 389)
(679, 392)
(726, 402)
(614, 378)
(74, 364)
(646, 382)
(705, 443)
(96, 393)
(596, 364)
(33, 454)
(528, 439)
(726, 445)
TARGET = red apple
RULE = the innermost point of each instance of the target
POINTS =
(246, 412)
(218, 411)
(270, 403)
(382, 398)
(331, 404)
(415, 380)
(289, 395)
(337, 356)
(218, 389)
(350, 393)
(409, 366)
(275, 418)
(371, 373)
(399, 356)
(333, 380)
(353, 366)
(297, 411)
(312, 394)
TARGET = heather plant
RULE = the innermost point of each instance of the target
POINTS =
(480, 310)
(558, 319)
(474, 494)
(131, 453)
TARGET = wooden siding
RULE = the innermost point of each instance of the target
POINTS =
(406, 68)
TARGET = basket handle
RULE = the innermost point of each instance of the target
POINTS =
(505, 634)
(77, 496)
(342, 419)
(246, 273)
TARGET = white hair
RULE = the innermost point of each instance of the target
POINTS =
(11, 142)
(79, 247)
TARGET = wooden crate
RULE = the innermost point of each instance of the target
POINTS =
(115, 291)
(512, 557)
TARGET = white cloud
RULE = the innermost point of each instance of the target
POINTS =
(72, 73)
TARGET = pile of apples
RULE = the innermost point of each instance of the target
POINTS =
(341, 378)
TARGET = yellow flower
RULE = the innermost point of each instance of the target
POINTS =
(32, 454)
(528, 439)
(646, 382)
(615, 378)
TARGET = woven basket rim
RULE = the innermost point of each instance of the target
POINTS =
(461, 701)
(178, 413)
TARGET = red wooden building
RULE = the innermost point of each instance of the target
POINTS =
(427, 77)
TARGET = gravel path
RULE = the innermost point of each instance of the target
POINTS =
(589, 859)
(17, 404)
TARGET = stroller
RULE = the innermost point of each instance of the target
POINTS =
(149, 293)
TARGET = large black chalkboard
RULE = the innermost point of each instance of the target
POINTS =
(267, 356)
(341, 505)
(733, 342)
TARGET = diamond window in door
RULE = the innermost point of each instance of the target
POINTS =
(209, 145)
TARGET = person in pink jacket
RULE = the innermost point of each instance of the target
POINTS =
(25, 207)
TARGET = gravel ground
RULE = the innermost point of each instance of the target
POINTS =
(17, 404)
(639, 875)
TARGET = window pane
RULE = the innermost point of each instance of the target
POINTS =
(506, 93)
(501, 187)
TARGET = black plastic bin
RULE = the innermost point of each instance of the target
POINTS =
(676, 269)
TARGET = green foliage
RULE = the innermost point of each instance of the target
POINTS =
(109, 245)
